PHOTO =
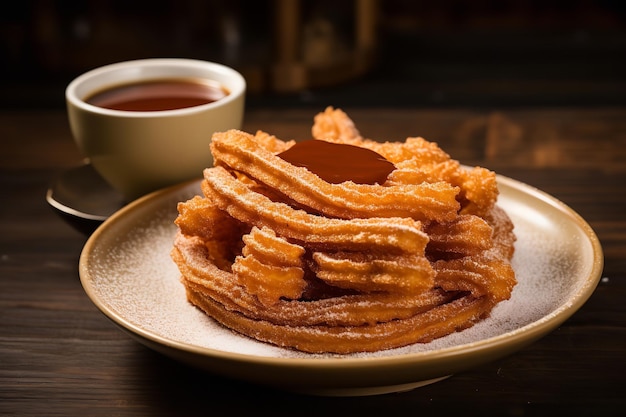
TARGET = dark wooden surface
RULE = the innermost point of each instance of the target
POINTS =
(59, 356)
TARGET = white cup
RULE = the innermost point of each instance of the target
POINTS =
(137, 152)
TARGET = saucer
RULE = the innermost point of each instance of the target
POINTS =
(83, 198)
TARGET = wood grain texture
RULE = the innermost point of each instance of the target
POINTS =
(59, 356)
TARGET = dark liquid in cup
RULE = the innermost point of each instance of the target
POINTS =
(158, 95)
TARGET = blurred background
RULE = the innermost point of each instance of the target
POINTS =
(333, 52)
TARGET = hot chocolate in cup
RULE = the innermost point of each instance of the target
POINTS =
(147, 124)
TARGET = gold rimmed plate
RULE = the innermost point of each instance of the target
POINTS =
(126, 270)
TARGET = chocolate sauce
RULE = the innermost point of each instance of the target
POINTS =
(336, 163)
(158, 95)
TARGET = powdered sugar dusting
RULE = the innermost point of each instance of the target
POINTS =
(133, 275)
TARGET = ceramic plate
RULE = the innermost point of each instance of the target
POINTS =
(126, 270)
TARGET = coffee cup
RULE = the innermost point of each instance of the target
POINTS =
(147, 124)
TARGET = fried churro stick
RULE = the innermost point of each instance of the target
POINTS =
(416, 160)
(395, 233)
(426, 201)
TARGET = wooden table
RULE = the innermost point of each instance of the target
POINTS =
(60, 356)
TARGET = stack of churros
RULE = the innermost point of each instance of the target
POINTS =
(283, 251)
